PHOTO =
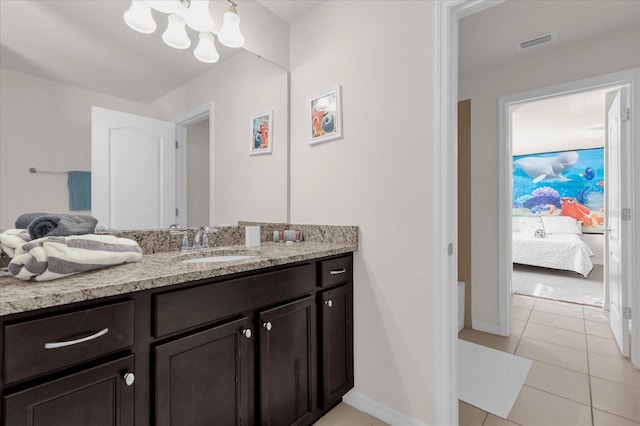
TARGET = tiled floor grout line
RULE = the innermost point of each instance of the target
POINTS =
(587, 347)
(586, 341)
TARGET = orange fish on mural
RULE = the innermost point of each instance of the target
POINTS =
(570, 207)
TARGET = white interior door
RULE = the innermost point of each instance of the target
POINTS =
(616, 232)
(133, 170)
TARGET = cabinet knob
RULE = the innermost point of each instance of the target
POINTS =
(129, 378)
(267, 325)
(329, 303)
(247, 333)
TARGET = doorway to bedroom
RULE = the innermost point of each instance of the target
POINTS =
(558, 197)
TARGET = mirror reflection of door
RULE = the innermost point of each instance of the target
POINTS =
(133, 170)
(197, 173)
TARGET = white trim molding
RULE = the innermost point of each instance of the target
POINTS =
(448, 13)
(446, 223)
(382, 412)
(630, 78)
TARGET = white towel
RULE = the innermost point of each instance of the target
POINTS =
(50, 258)
(11, 239)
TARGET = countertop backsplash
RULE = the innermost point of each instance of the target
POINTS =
(160, 240)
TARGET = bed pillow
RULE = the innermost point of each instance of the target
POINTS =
(528, 222)
(561, 225)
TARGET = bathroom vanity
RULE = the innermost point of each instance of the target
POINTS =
(262, 340)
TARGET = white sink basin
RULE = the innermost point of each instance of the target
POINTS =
(220, 258)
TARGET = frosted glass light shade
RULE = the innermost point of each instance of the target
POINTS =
(176, 35)
(206, 49)
(230, 34)
(198, 16)
(139, 17)
(164, 6)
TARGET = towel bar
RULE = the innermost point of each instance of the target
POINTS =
(33, 170)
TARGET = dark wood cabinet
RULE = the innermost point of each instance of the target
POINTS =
(287, 373)
(97, 396)
(336, 324)
(205, 377)
(273, 347)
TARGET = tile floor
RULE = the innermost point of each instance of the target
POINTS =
(578, 376)
(346, 415)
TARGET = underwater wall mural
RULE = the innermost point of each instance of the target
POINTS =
(565, 183)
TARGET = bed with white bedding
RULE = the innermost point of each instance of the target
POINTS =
(561, 248)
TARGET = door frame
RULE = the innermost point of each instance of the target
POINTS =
(193, 117)
(630, 78)
(448, 13)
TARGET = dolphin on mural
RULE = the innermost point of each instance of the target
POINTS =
(540, 168)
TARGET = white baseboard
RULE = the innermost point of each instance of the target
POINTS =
(486, 327)
(382, 412)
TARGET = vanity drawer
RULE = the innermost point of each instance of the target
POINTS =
(186, 308)
(336, 271)
(46, 344)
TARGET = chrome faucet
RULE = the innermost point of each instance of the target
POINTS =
(200, 238)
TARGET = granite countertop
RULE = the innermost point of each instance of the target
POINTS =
(155, 270)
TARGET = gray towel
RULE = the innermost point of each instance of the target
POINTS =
(56, 257)
(25, 220)
(62, 225)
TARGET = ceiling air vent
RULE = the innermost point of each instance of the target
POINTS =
(536, 41)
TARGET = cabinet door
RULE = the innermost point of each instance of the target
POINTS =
(288, 364)
(337, 344)
(98, 397)
(203, 379)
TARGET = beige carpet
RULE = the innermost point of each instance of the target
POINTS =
(565, 286)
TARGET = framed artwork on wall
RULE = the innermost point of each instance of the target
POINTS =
(261, 133)
(324, 115)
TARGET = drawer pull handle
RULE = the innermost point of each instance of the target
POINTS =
(337, 271)
(54, 345)
(129, 378)
(329, 303)
(267, 325)
(247, 333)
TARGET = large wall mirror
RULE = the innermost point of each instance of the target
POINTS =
(58, 59)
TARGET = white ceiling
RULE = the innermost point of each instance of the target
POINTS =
(87, 44)
(490, 36)
(290, 10)
(488, 39)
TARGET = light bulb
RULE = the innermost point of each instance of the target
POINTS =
(175, 34)
(230, 34)
(206, 50)
(198, 16)
(164, 6)
(139, 17)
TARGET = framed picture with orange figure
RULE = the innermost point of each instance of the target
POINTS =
(325, 118)
(261, 133)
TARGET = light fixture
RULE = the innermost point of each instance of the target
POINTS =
(206, 49)
(182, 13)
(139, 17)
(198, 16)
(176, 35)
(230, 34)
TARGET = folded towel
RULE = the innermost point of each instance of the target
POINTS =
(61, 225)
(11, 239)
(79, 185)
(56, 257)
(25, 220)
